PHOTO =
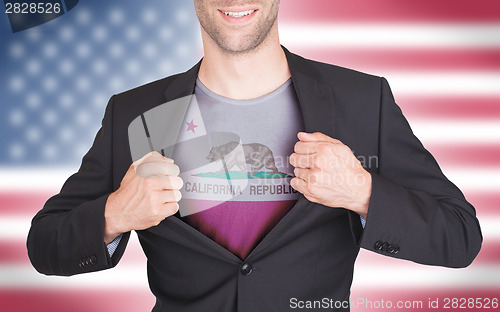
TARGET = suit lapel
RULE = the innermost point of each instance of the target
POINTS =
(315, 98)
(183, 84)
(318, 111)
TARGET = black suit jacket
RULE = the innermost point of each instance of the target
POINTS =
(415, 213)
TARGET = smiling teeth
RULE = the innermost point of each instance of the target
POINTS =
(239, 14)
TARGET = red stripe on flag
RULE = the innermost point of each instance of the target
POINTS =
(450, 107)
(25, 203)
(489, 254)
(391, 11)
(383, 60)
(486, 204)
(467, 155)
(77, 300)
(13, 252)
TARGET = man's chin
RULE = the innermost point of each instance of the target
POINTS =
(235, 46)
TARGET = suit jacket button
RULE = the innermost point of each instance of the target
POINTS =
(246, 269)
(93, 260)
(378, 245)
(396, 249)
(384, 246)
(390, 249)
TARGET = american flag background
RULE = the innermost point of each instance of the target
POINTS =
(441, 57)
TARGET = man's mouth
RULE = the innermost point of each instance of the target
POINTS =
(239, 14)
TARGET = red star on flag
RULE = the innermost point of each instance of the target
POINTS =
(191, 126)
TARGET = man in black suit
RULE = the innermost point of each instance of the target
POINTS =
(411, 209)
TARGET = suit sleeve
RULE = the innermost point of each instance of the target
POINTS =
(415, 212)
(67, 236)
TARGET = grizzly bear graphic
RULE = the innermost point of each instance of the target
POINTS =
(257, 155)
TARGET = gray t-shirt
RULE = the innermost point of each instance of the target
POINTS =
(245, 191)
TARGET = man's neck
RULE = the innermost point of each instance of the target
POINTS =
(244, 76)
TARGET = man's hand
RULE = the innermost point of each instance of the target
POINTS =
(327, 172)
(148, 193)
